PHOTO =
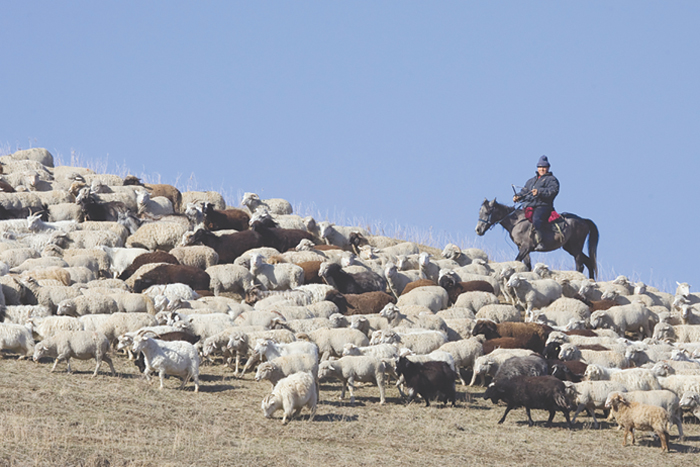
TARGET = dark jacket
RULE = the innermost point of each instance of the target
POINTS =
(547, 189)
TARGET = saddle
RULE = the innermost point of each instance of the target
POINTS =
(555, 221)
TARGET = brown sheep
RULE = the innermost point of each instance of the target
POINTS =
(311, 269)
(415, 284)
(360, 304)
(635, 416)
(147, 258)
(236, 219)
(529, 335)
(171, 274)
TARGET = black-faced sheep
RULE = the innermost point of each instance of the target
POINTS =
(531, 392)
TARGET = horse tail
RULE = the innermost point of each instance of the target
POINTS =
(593, 244)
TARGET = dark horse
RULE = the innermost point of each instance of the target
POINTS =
(571, 235)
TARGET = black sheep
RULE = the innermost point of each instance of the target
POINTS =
(229, 246)
(429, 379)
(214, 219)
(564, 373)
(531, 392)
(272, 236)
(531, 365)
(171, 274)
(94, 210)
(361, 304)
(355, 283)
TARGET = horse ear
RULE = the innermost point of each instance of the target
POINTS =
(492, 203)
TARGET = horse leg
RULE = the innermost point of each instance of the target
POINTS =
(524, 256)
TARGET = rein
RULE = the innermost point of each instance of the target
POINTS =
(491, 223)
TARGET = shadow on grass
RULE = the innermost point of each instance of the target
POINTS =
(334, 417)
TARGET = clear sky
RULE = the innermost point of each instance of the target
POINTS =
(394, 113)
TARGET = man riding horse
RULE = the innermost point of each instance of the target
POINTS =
(538, 196)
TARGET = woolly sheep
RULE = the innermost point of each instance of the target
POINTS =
(276, 276)
(663, 398)
(433, 297)
(476, 300)
(591, 395)
(349, 369)
(634, 379)
(157, 236)
(199, 256)
(338, 235)
(82, 345)
(281, 367)
(154, 207)
(398, 281)
(682, 333)
(635, 416)
(464, 352)
(534, 294)
(292, 394)
(680, 384)
(605, 358)
(561, 311)
(633, 318)
(87, 304)
(273, 205)
(330, 342)
(499, 313)
(691, 401)
(178, 358)
(418, 341)
(19, 314)
(488, 364)
(16, 338)
(229, 278)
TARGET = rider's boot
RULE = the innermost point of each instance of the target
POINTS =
(538, 241)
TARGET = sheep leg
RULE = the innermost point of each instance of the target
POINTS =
(380, 383)
(252, 360)
(503, 418)
(97, 367)
(529, 417)
(161, 375)
(678, 421)
(108, 359)
(578, 411)
(351, 387)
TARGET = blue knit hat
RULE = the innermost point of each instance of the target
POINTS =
(543, 162)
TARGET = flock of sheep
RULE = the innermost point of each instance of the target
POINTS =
(94, 264)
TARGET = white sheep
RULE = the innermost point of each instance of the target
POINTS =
(16, 338)
(229, 278)
(534, 294)
(282, 276)
(281, 367)
(153, 207)
(591, 395)
(82, 345)
(398, 281)
(463, 257)
(178, 358)
(157, 236)
(476, 300)
(605, 358)
(19, 314)
(350, 369)
(121, 258)
(680, 384)
(634, 379)
(198, 256)
(50, 325)
(433, 297)
(500, 313)
(633, 318)
(561, 311)
(120, 323)
(273, 205)
(338, 235)
(292, 394)
(488, 364)
(418, 341)
(87, 304)
(263, 318)
(682, 333)
(691, 401)
(464, 352)
(271, 349)
(330, 342)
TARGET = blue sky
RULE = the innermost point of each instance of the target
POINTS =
(393, 113)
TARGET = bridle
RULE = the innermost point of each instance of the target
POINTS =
(490, 223)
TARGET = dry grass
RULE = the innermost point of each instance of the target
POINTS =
(61, 419)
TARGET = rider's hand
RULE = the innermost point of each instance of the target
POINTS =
(516, 198)
(534, 192)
